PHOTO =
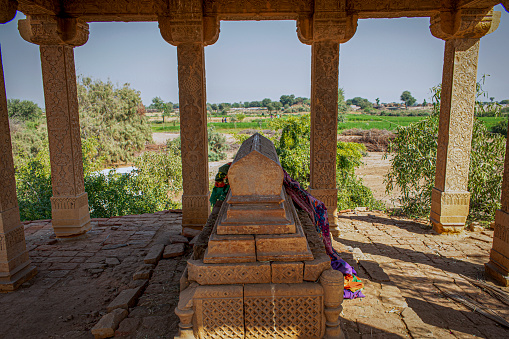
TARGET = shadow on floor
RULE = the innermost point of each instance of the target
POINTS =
(408, 225)
(452, 265)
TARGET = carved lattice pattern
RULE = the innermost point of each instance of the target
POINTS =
(223, 318)
(283, 317)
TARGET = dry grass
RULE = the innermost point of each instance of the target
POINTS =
(375, 140)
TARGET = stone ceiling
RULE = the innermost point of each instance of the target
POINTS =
(150, 10)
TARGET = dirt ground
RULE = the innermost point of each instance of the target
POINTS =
(373, 173)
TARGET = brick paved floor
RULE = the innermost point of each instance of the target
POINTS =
(400, 261)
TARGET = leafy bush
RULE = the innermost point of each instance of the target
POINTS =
(23, 110)
(217, 145)
(292, 145)
(413, 166)
(115, 116)
(351, 190)
(33, 187)
(152, 187)
(240, 117)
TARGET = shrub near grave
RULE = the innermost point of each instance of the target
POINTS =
(292, 142)
(414, 164)
(151, 187)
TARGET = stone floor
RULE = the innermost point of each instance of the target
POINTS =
(404, 265)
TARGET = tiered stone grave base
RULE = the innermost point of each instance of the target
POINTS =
(258, 299)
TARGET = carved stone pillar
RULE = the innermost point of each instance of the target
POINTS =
(329, 27)
(324, 122)
(193, 134)
(57, 38)
(15, 267)
(461, 32)
(187, 29)
(498, 266)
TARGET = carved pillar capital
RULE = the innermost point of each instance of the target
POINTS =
(330, 22)
(334, 26)
(8, 10)
(464, 23)
(176, 32)
(186, 23)
(52, 30)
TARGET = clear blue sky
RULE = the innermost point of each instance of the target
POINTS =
(255, 60)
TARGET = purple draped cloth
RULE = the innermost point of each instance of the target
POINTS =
(318, 214)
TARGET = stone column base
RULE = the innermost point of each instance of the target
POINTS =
(15, 266)
(449, 210)
(70, 215)
(494, 271)
(498, 266)
(195, 211)
(12, 280)
(330, 198)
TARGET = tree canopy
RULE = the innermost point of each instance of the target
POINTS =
(361, 102)
(287, 99)
(23, 110)
(407, 98)
(114, 115)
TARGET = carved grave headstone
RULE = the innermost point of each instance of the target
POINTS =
(260, 276)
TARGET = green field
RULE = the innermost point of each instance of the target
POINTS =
(222, 127)
(360, 121)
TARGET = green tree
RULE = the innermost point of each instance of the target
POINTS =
(240, 116)
(157, 103)
(23, 110)
(29, 137)
(361, 102)
(167, 110)
(214, 107)
(113, 115)
(287, 100)
(270, 107)
(300, 100)
(504, 102)
(407, 98)
(265, 102)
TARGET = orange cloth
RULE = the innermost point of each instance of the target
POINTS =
(352, 283)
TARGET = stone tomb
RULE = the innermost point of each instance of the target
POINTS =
(262, 274)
